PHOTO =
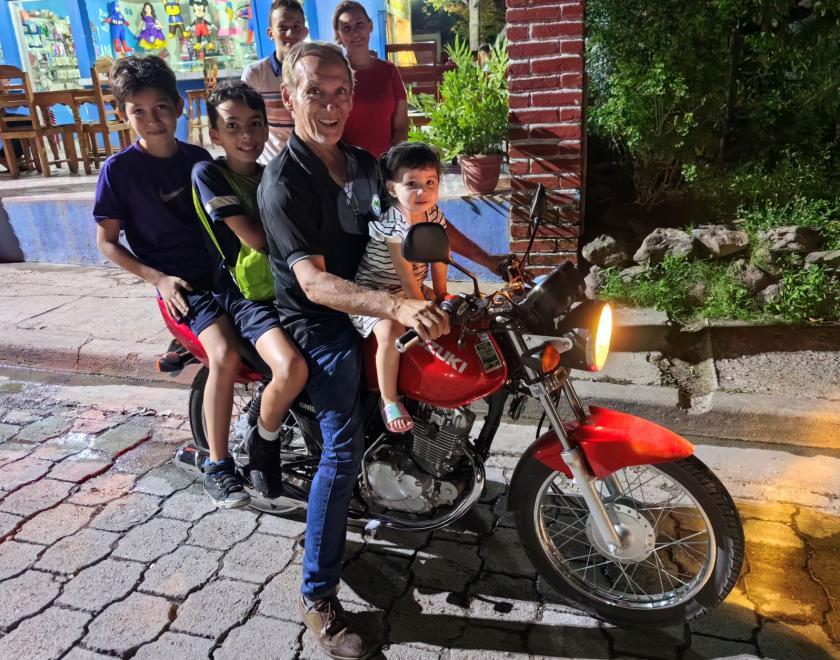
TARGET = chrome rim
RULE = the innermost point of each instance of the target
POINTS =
(666, 570)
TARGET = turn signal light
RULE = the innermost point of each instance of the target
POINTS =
(549, 359)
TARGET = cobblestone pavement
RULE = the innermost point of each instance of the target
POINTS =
(109, 550)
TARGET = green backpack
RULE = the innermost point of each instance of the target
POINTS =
(251, 272)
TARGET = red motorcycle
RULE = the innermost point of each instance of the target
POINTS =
(614, 511)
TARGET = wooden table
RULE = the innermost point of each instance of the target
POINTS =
(73, 99)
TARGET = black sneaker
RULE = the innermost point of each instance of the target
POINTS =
(264, 464)
(223, 486)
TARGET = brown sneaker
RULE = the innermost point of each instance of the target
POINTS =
(327, 621)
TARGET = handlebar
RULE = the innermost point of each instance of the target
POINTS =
(458, 308)
(406, 341)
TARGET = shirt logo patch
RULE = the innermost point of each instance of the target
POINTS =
(168, 197)
(376, 205)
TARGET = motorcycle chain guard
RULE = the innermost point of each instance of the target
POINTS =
(612, 440)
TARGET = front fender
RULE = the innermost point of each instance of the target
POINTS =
(610, 440)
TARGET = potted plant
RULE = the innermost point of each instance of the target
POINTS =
(470, 120)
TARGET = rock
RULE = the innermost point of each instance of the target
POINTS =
(830, 258)
(751, 276)
(605, 251)
(661, 243)
(770, 293)
(698, 293)
(629, 274)
(594, 282)
(720, 240)
(796, 239)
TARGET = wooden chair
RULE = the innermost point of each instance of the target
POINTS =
(108, 121)
(195, 97)
(32, 128)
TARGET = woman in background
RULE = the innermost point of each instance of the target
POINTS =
(379, 118)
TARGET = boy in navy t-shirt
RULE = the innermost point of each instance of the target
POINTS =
(145, 190)
(226, 190)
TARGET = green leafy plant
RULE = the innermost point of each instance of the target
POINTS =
(471, 117)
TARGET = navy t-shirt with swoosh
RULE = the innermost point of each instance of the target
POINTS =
(152, 199)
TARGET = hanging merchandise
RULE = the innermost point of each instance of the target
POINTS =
(246, 14)
(116, 22)
(46, 45)
(151, 36)
(201, 27)
(227, 26)
(176, 19)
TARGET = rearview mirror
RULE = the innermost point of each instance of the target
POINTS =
(426, 243)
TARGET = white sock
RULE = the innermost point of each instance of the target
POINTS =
(265, 434)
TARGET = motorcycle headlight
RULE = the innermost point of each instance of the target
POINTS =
(589, 326)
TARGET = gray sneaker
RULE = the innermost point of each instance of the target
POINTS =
(223, 486)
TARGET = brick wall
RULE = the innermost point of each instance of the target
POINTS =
(546, 136)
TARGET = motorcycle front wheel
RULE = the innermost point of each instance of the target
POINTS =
(684, 543)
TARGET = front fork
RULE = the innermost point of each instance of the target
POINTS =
(603, 518)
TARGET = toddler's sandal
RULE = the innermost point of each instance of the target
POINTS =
(394, 412)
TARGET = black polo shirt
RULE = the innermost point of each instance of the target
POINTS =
(305, 214)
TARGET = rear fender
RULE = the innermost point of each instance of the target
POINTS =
(610, 440)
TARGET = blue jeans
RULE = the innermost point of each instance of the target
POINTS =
(333, 387)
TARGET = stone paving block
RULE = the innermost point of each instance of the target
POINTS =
(43, 429)
(822, 528)
(120, 439)
(8, 523)
(497, 596)
(289, 526)
(215, 608)
(735, 618)
(164, 481)
(398, 542)
(7, 431)
(103, 489)
(503, 552)
(260, 637)
(446, 566)
(73, 553)
(100, 585)
(190, 504)
(151, 540)
(795, 642)
(654, 643)
(80, 467)
(16, 474)
(224, 529)
(774, 543)
(79, 653)
(257, 557)
(16, 557)
(24, 595)
(369, 624)
(712, 647)
(29, 641)
(505, 518)
(127, 512)
(68, 444)
(51, 525)
(175, 645)
(128, 624)
(21, 417)
(376, 578)
(177, 574)
(419, 600)
(95, 421)
(785, 592)
(434, 630)
(147, 456)
(36, 497)
(825, 567)
(769, 511)
(278, 598)
(173, 437)
(576, 637)
(12, 451)
(406, 652)
(491, 642)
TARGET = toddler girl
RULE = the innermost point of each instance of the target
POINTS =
(412, 175)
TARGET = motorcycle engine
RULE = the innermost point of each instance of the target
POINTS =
(412, 476)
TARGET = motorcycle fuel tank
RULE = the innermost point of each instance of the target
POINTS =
(443, 374)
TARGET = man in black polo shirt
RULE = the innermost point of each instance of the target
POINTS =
(316, 199)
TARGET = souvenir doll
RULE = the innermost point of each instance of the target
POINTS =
(116, 23)
(176, 20)
(227, 26)
(151, 36)
(201, 27)
(244, 13)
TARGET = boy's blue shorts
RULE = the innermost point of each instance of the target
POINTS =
(252, 318)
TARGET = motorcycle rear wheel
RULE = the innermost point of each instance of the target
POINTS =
(689, 541)
(243, 395)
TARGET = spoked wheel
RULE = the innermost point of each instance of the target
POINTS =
(683, 541)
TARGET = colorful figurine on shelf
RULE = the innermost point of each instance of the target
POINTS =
(176, 20)
(201, 27)
(116, 22)
(151, 36)
(245, 13)
(227, 26)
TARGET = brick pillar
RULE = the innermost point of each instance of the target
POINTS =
(546, 134)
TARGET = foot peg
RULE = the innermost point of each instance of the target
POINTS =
(371, 529)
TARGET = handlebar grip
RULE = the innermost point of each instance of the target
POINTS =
(406, 341)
